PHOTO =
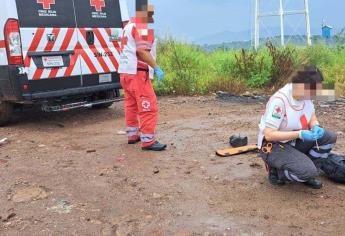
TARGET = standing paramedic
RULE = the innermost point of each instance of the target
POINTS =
(137, 68)
(291, 139)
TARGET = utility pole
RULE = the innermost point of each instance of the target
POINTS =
(282, 13)
(282, 30)
(307, 21)
(257, 24)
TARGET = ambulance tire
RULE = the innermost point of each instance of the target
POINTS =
(6, 110)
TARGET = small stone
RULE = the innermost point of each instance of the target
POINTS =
(41, 145)
(121, 132)
(266, 217)
(322, 223)
(91, 151)
(156, 196)
(339, 133)
(148, 217)
(29, 194)
(3, 141)
(255, 165)
(10, 216)
(60, 125)
(187, 172)
(62, 207)
(155, 170)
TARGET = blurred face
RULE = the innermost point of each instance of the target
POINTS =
(302, 91)
(146, 16)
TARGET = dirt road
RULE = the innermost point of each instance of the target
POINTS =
(73, 174)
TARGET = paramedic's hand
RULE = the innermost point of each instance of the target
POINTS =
(318, 131)
(307, 135)
(159, 73)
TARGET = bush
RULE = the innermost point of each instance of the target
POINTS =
(191, 70)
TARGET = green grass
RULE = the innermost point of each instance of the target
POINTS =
(190, 70)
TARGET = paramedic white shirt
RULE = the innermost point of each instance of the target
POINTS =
(134, 39)
(284, 113)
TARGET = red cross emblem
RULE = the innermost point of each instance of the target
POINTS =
(278, 110)
(46, 3)
(146, 105)
(98, 4)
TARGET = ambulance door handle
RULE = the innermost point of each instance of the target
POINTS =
(90, 37)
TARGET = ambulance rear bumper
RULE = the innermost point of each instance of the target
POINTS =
(71, 91)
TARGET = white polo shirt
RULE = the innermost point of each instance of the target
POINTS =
(284, 113)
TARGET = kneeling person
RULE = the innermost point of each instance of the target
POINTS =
(291, 139)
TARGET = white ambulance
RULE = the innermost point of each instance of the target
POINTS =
(61, 54)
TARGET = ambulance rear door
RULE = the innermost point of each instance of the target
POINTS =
(99, 24)
(49, 41)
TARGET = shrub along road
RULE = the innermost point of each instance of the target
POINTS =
(74, 174)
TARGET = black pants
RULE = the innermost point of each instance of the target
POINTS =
(297, 161)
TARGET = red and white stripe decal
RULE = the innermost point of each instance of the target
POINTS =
(66, 40)
(34, 45)
(94, 50)
(48, 48)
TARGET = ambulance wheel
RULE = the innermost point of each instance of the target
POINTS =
(6, 110)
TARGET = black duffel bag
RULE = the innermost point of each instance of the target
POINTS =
(334, 167)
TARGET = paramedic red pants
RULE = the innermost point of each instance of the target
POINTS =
(140, 107)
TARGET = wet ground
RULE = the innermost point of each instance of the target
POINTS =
(74, 174)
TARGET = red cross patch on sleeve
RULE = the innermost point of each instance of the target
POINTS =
(277, 112)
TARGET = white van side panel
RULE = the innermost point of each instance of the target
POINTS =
(8, 10)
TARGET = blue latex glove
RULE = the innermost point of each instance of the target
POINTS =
(307, 135)
(318, 131)
(159, 73)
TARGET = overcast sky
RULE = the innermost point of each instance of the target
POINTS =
(193, 19)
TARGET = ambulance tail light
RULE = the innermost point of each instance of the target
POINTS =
(13, 43)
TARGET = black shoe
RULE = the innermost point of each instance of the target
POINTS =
(157, 146)
(274, 178)
(314, 183)
(134, 141)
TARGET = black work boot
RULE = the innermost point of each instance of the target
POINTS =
(157, 146)
(134, 141)
(314, 183)
(274, 178)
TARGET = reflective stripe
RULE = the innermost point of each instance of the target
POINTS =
(131, 134)
(132, 131)
(292, 177)
(287, 175)
(327, 146)
(318, 155)
(146, 138)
